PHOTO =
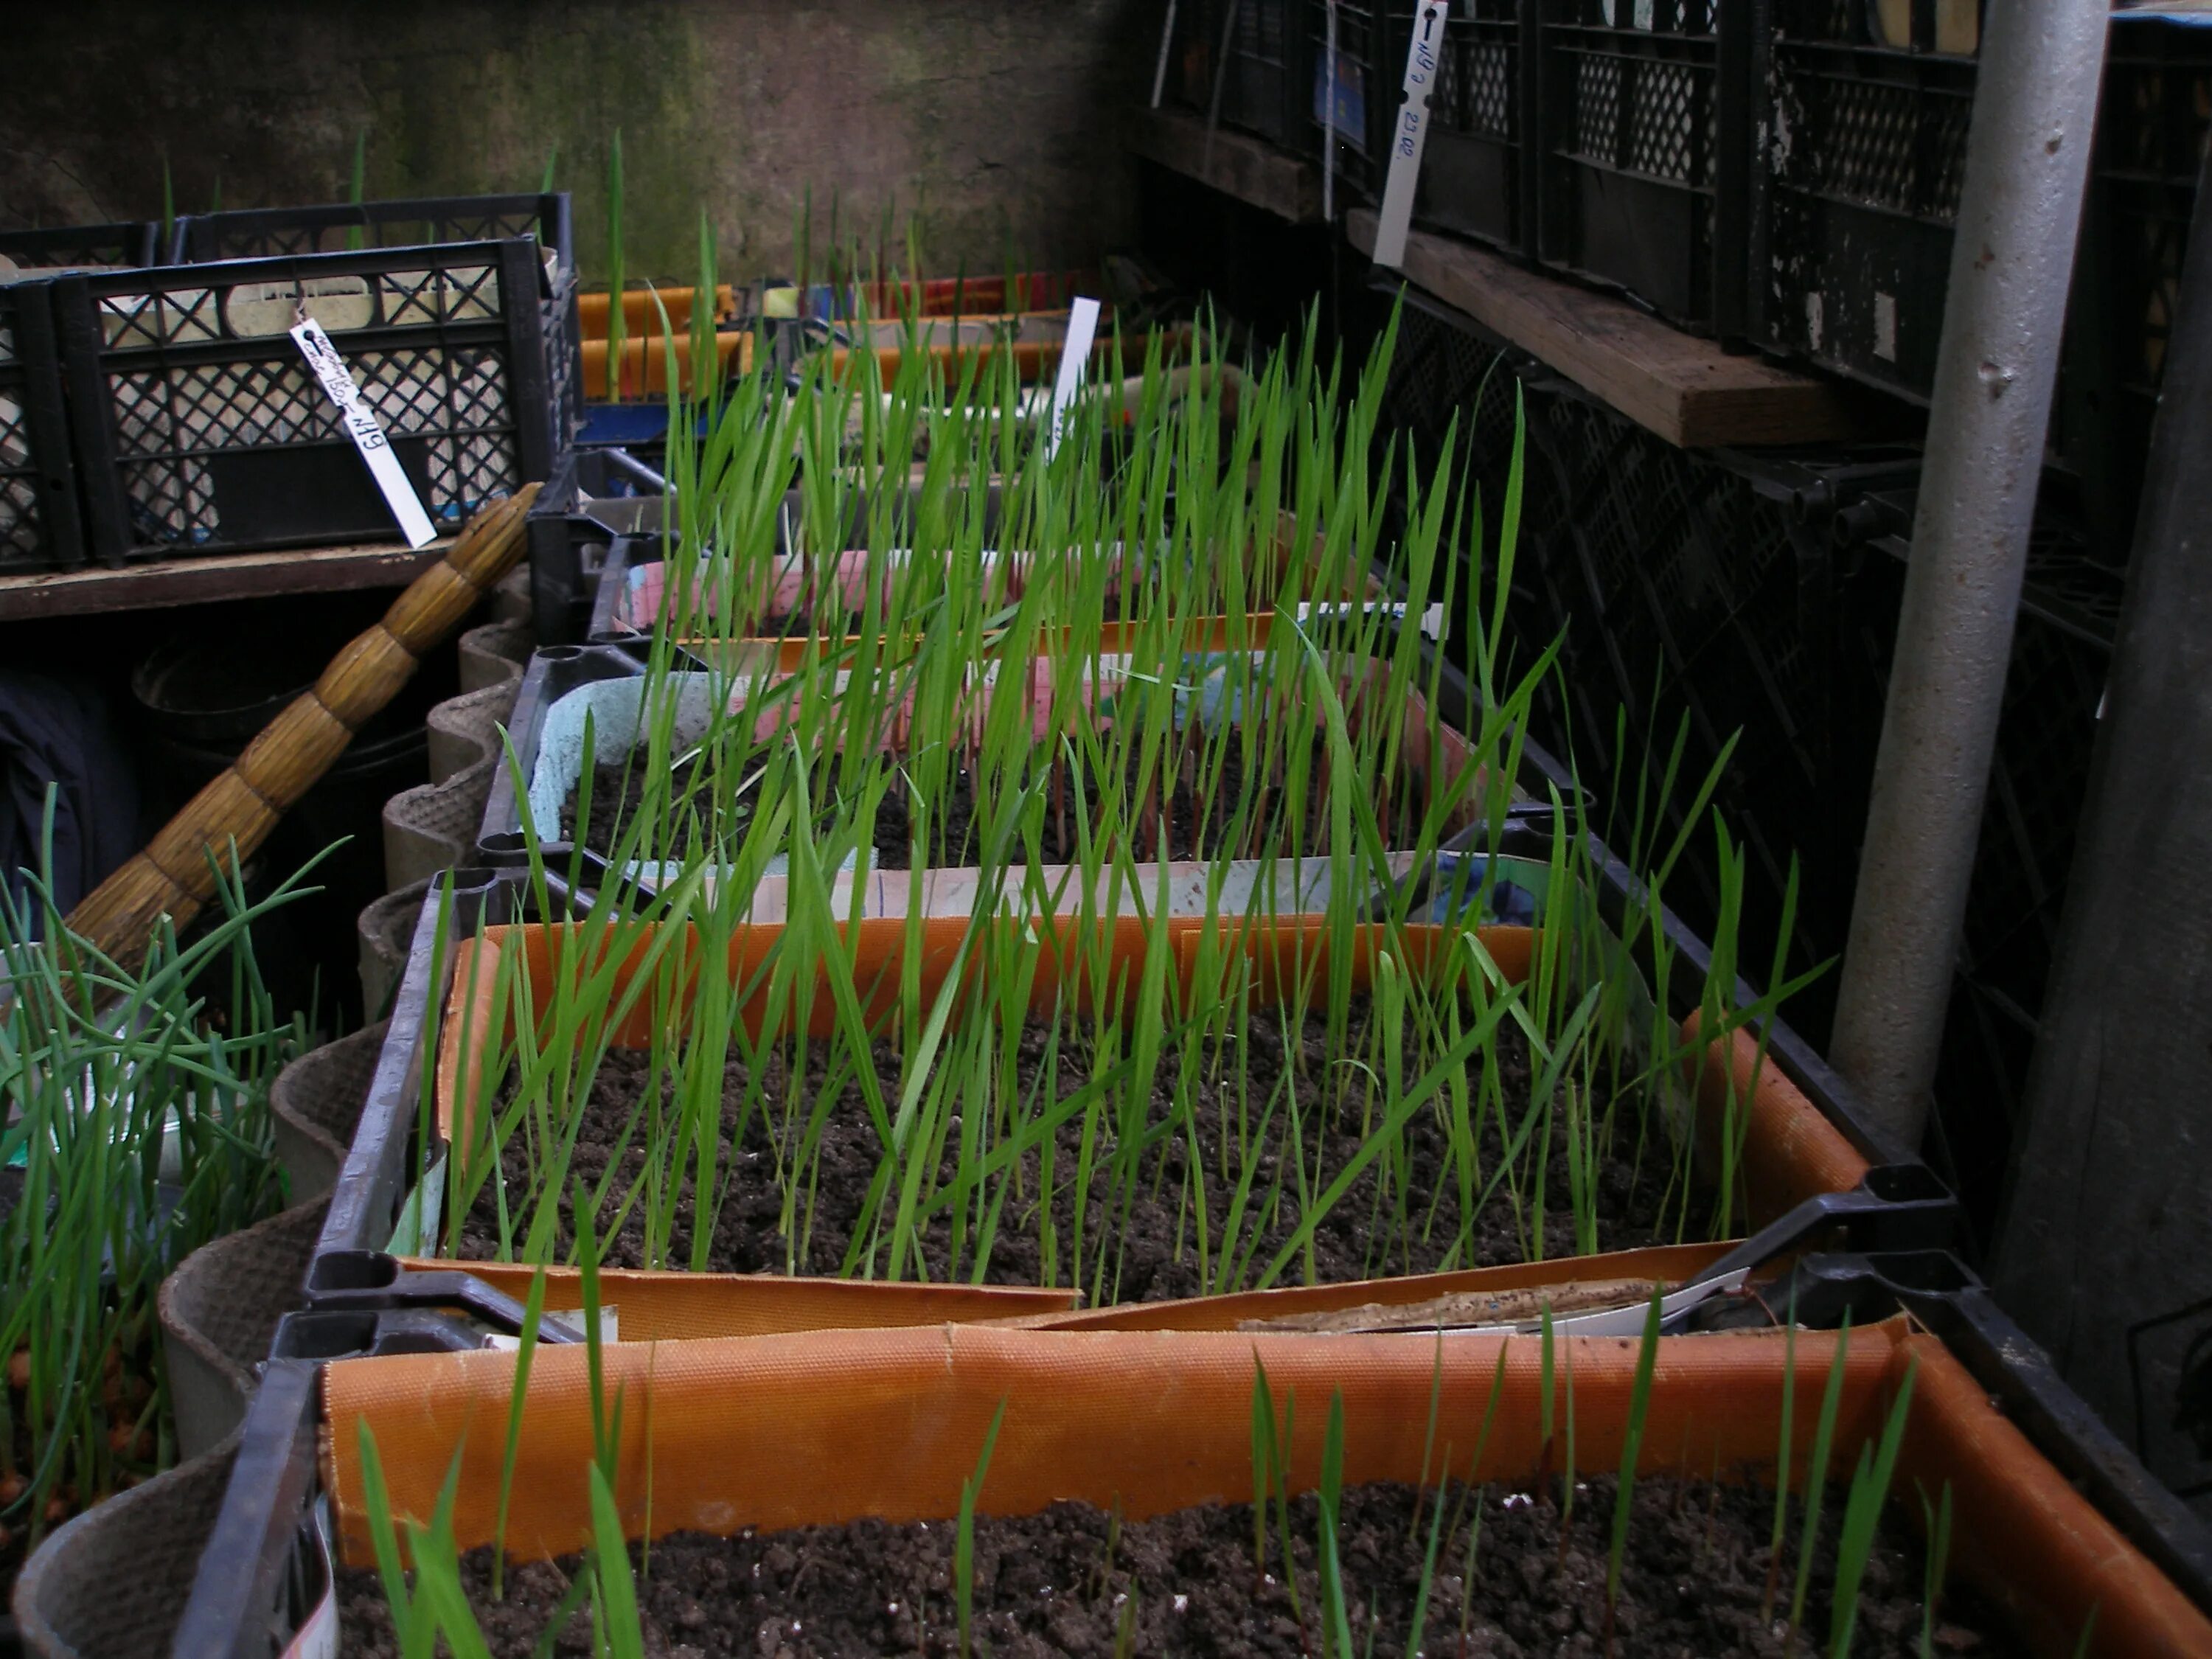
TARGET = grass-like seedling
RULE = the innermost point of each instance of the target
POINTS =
(1632, 1448)
(1270, 1462)
(963, 1545)
(1336, 1624)
(617, 324)
(1937, 1517)
(1782, 1449)
(1862, 1513)
(1816, 1481)
(134, 1128)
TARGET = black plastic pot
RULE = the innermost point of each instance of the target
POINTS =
(202, 697)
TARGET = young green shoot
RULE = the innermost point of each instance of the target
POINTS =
(1632, 1448)
(963, 1545)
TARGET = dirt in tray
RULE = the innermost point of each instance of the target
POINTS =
(1156, 1252)
(1068, 1581)
(1066, 794)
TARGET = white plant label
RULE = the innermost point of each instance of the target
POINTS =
(1082, 328)
(1411, 136)
(366, 430)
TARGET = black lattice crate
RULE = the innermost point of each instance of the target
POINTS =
(351, 226)
(1262, 83)
(1350, 96)
(1471, 182)
(1865, 151)
(66, 247)
(39, 525)
(2153, 128)
(1644, 177)
(198, 429)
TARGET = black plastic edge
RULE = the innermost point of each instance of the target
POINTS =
(365, 1199)
(195, 236)
(233, 1609)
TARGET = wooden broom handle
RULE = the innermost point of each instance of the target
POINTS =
(174, 874)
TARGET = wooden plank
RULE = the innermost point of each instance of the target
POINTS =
(1251, 169)
(1687, 389)
(158, 584)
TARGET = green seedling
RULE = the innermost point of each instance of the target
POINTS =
(963, 1547)
(1632, 1448)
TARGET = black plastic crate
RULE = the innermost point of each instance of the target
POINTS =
(39, 523)
(1709, 586)
(2153, 128)
(1864, 153)
(1475, 172)
(132, 243)
(1644, 106)
(198, 429)
(351, 226)
(1351, 96)
(348, 226)
(1263, 79)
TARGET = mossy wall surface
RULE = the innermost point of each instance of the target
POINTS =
(986, 125)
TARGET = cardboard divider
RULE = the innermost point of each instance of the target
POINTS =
(677, 1307)
(1558, 1278)
(818, 1428)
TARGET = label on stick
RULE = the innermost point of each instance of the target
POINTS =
(1411, 134)
(365, 429)
(1082, 327)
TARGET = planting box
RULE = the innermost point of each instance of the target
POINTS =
(634, 599)
(2051, 1515)
(198, 428)
(929, 296)
(564, 686)
(763, 1436)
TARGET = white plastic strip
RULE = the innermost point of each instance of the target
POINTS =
(366, 430)
(1411, 136)
(1167, 45)
(1074, 357)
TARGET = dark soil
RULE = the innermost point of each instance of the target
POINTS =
(1358, 1238)
(1693, 1579)
(956, 839)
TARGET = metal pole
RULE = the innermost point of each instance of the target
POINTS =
(2028, 162)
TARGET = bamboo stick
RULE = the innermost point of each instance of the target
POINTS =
(175, 873)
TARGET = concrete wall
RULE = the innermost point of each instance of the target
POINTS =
(985, 123)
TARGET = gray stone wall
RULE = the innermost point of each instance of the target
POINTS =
(984, 126)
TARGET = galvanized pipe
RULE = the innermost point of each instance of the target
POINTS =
(2028, 162)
